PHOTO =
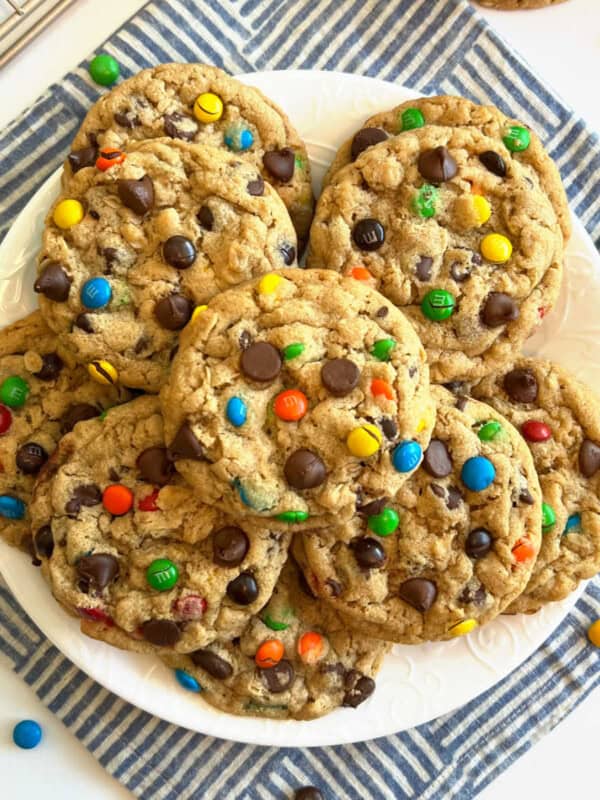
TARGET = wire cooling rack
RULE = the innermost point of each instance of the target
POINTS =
(22, 20)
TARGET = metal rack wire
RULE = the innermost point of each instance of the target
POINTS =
(22, 20)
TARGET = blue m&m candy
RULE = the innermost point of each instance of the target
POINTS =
(236, 411)
(238, 138)
(573, 524)
(478, 473)
(11, 507)
(407, 456)
(27, 734)
(96, 293)
(237, 485)
(187, 681)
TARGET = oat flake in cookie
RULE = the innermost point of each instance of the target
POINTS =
(162, 231)
(42, 397)
(559, 418)
(455, 546)
(201, 104)
(298, 395)
(129, 549)
(296, 659)
(473, 258)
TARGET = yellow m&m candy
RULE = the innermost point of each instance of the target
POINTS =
(269, 283)
(197, 311)
(364, 441)
(496, 248)
(594, 633)
(483, 210)
(68, 213)
(464, 627)
(103, 372)
(208, 107)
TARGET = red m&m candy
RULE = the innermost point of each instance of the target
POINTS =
(117, 499)
(290, 405)
(148, 503)
(5, 419)
(535, 431)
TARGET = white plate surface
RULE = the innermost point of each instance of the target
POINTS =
(417, 683)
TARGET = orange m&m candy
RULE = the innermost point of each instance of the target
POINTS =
(290, 405)
(117, 499)
(269, 653)
(379, 386)
(360, 274)
(109, 156)
(310, 647)
(523, 551)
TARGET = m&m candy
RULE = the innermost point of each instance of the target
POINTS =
(410, 119)
(535, 431)
(523, 551)
(462, 628)
(11, 507)
(516, 138)
(187, 681)
(197, 311)
(384, 523)
(573, 524)
(104, 69)
(208, 107)
(482, 209)
(68, 213)
(292, 516)
(424, 202)
(117, 499)
(407, 456)
(236, 411)
(496, 248)
(14, 391)
(290, 405)
(292, 351)
(108, 157)
(311, 647)
(238, 138)
(438, 304)
(382, 349)
(27, 734)
(269, 653)
(5, 419)
(96, 293)
(489, 431)
(103, 372)
(478, 473)
(162, 574)
(364, 441)
(380, 388)
(548, 517)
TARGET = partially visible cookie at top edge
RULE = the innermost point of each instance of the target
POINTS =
(560, 419)
(451, 550)
(131, 251)
(128, 548)
(513, 5)
(42, 396)
(448, 110)
(297, 396)
(202, 104)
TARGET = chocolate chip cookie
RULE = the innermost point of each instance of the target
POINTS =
(131, 251)
(522, 143)
(296, 659)
(471, 256)
(42, 397)
(452, 549)
(127, 547)
(559, 418)
(201, 104)
(296, 395)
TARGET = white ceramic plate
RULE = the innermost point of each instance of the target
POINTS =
(415, 684)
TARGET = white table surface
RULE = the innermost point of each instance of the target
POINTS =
(563, 45)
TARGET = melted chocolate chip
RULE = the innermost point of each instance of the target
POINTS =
(493, 162)
(174, 311)
(498, 309)
(52, 364)
(335, 587)
(185, 445)
(304, 469)
(177, 126)
(526, 497)
(77, 413)
(454, 498)
(210, 662)
(308, 793)
(389, 428)
(44, 541)
(125, 120)
(437, 165)
(280, 163)
(288, 253)
(358, 688)
(138, 195)
(230, 545)
(83, 495)
(256, 187)
(374, 507)
(366, 137)
(85, 157)
(419, 593)
(472, 597)
(53, 282)
(206, 218)
(155, 465)
(436, 459)
(261, 362)
(97, 571)
(423, 268)
(245, 340)
(382, 312)
(84, 323)
(521, 385)
(340, 376)
(589, 458)
(161, 632)
(278, 678)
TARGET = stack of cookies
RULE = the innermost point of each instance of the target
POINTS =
(265, 475)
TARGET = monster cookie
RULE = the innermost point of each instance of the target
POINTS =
(41, 398)
(297, 395)
(560, 419)
(473, 258)
(127, 547)
(516, 4)
(455, 546)
(199, 103)
(296, 659)
(133, 247)
(511, 141)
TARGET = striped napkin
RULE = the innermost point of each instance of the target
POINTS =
(434, 46)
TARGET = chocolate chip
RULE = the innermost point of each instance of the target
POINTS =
(308, 793)
(137, 195)
(368, 553)
(210, 662)
(368, 234)
(436, 460)
(126, 121)
(454, 498)
(526, 497)
(52, 364)
(261, 362)
(389, 428)
(358, 688)
(280, 163)
(179, 252)
(83, 495)
(185, 445)
(419, 593)
(493, 162)
(278, 678)
(230, 545)
(85, 157)
(437, 165)
(256, 187)
(521, 385)
(304, 470)
(335, 587)
(97, 571)
(461, 402)
(161, 632)
(243, 590)
(374, 507)
(498, 309)
(30, 458)
(366, 137)
(472, 597)
(53, 282)
(114, 475)
(180, 127)
(423, 268)
(438, 490)
(94, 214)
(340, 376)
(44, 541)
(155, 465)
(479, 543)
(589, 458)
(459, 272)
(206, 218)
(84, 322)
(174, 311)
(382, 312)
(288, 253)
(77, 413)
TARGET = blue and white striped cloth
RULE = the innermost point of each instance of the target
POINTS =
(437, 46)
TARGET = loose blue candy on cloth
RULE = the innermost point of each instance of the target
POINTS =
(407, 456)
(187, 681)
(11, 507)
(236, 411)
(27, 734)
(478, 473)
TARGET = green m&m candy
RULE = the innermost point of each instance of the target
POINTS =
(385, 523)
(438, 304)
(14, 391)
(424, 201)
(489, 431)
(292, 351)
(516, 138)
(292, 516)
(104, 69)
(279, 621)
(410, 119)
(548, 517)
(162, 574)
(382, 349)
